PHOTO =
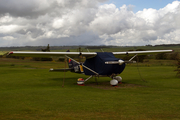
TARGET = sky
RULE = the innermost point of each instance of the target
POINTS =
(89, 22)
(139, 5)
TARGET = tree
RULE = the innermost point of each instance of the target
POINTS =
(161, 56)
(140, 58)
(174, 56)
(178, 65)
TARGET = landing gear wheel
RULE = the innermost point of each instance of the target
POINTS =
(119, 79)
(114, 82)
(80, 82)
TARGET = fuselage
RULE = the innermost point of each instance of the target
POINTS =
(97, 64)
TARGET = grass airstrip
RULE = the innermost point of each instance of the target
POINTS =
(29, 91)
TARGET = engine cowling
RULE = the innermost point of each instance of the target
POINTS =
(120, 62)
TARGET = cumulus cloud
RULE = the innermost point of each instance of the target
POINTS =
(84, 22)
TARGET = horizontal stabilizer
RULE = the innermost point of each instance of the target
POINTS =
(60, 70)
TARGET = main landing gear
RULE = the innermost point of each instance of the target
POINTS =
(116, 80)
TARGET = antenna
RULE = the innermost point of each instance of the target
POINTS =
(139, 70)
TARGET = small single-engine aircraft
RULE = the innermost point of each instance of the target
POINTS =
(96, 63)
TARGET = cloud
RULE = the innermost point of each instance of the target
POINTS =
(84, 22)
(26, 8)
(144, 27)
(8, 38)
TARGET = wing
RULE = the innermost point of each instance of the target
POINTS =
(52, 54)
(75, 54)
(142, 52)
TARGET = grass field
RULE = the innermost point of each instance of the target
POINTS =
(3, 52)
(29, 91)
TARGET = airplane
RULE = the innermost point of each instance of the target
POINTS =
(96, 64)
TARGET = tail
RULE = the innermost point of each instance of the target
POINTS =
(73, 67)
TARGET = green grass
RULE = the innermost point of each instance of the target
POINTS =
(3, 52)
(29, 91)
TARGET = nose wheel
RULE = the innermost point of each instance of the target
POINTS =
(116, 80)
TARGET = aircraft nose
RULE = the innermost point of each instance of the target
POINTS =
(120, 62)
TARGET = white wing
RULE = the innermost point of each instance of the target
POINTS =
(74, 54)
(142, 52)
(52, 54)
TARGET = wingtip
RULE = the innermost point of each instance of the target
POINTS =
(10, 53)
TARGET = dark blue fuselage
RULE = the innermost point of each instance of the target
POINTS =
(97, 64)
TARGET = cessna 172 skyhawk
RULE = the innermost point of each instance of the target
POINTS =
(96, 63)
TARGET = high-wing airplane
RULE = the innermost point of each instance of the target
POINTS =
(96, 63)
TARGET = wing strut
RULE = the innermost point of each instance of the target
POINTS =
(133, 57)
(82, 65)
(88, 78)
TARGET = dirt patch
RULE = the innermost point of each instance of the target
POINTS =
(107, 86)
